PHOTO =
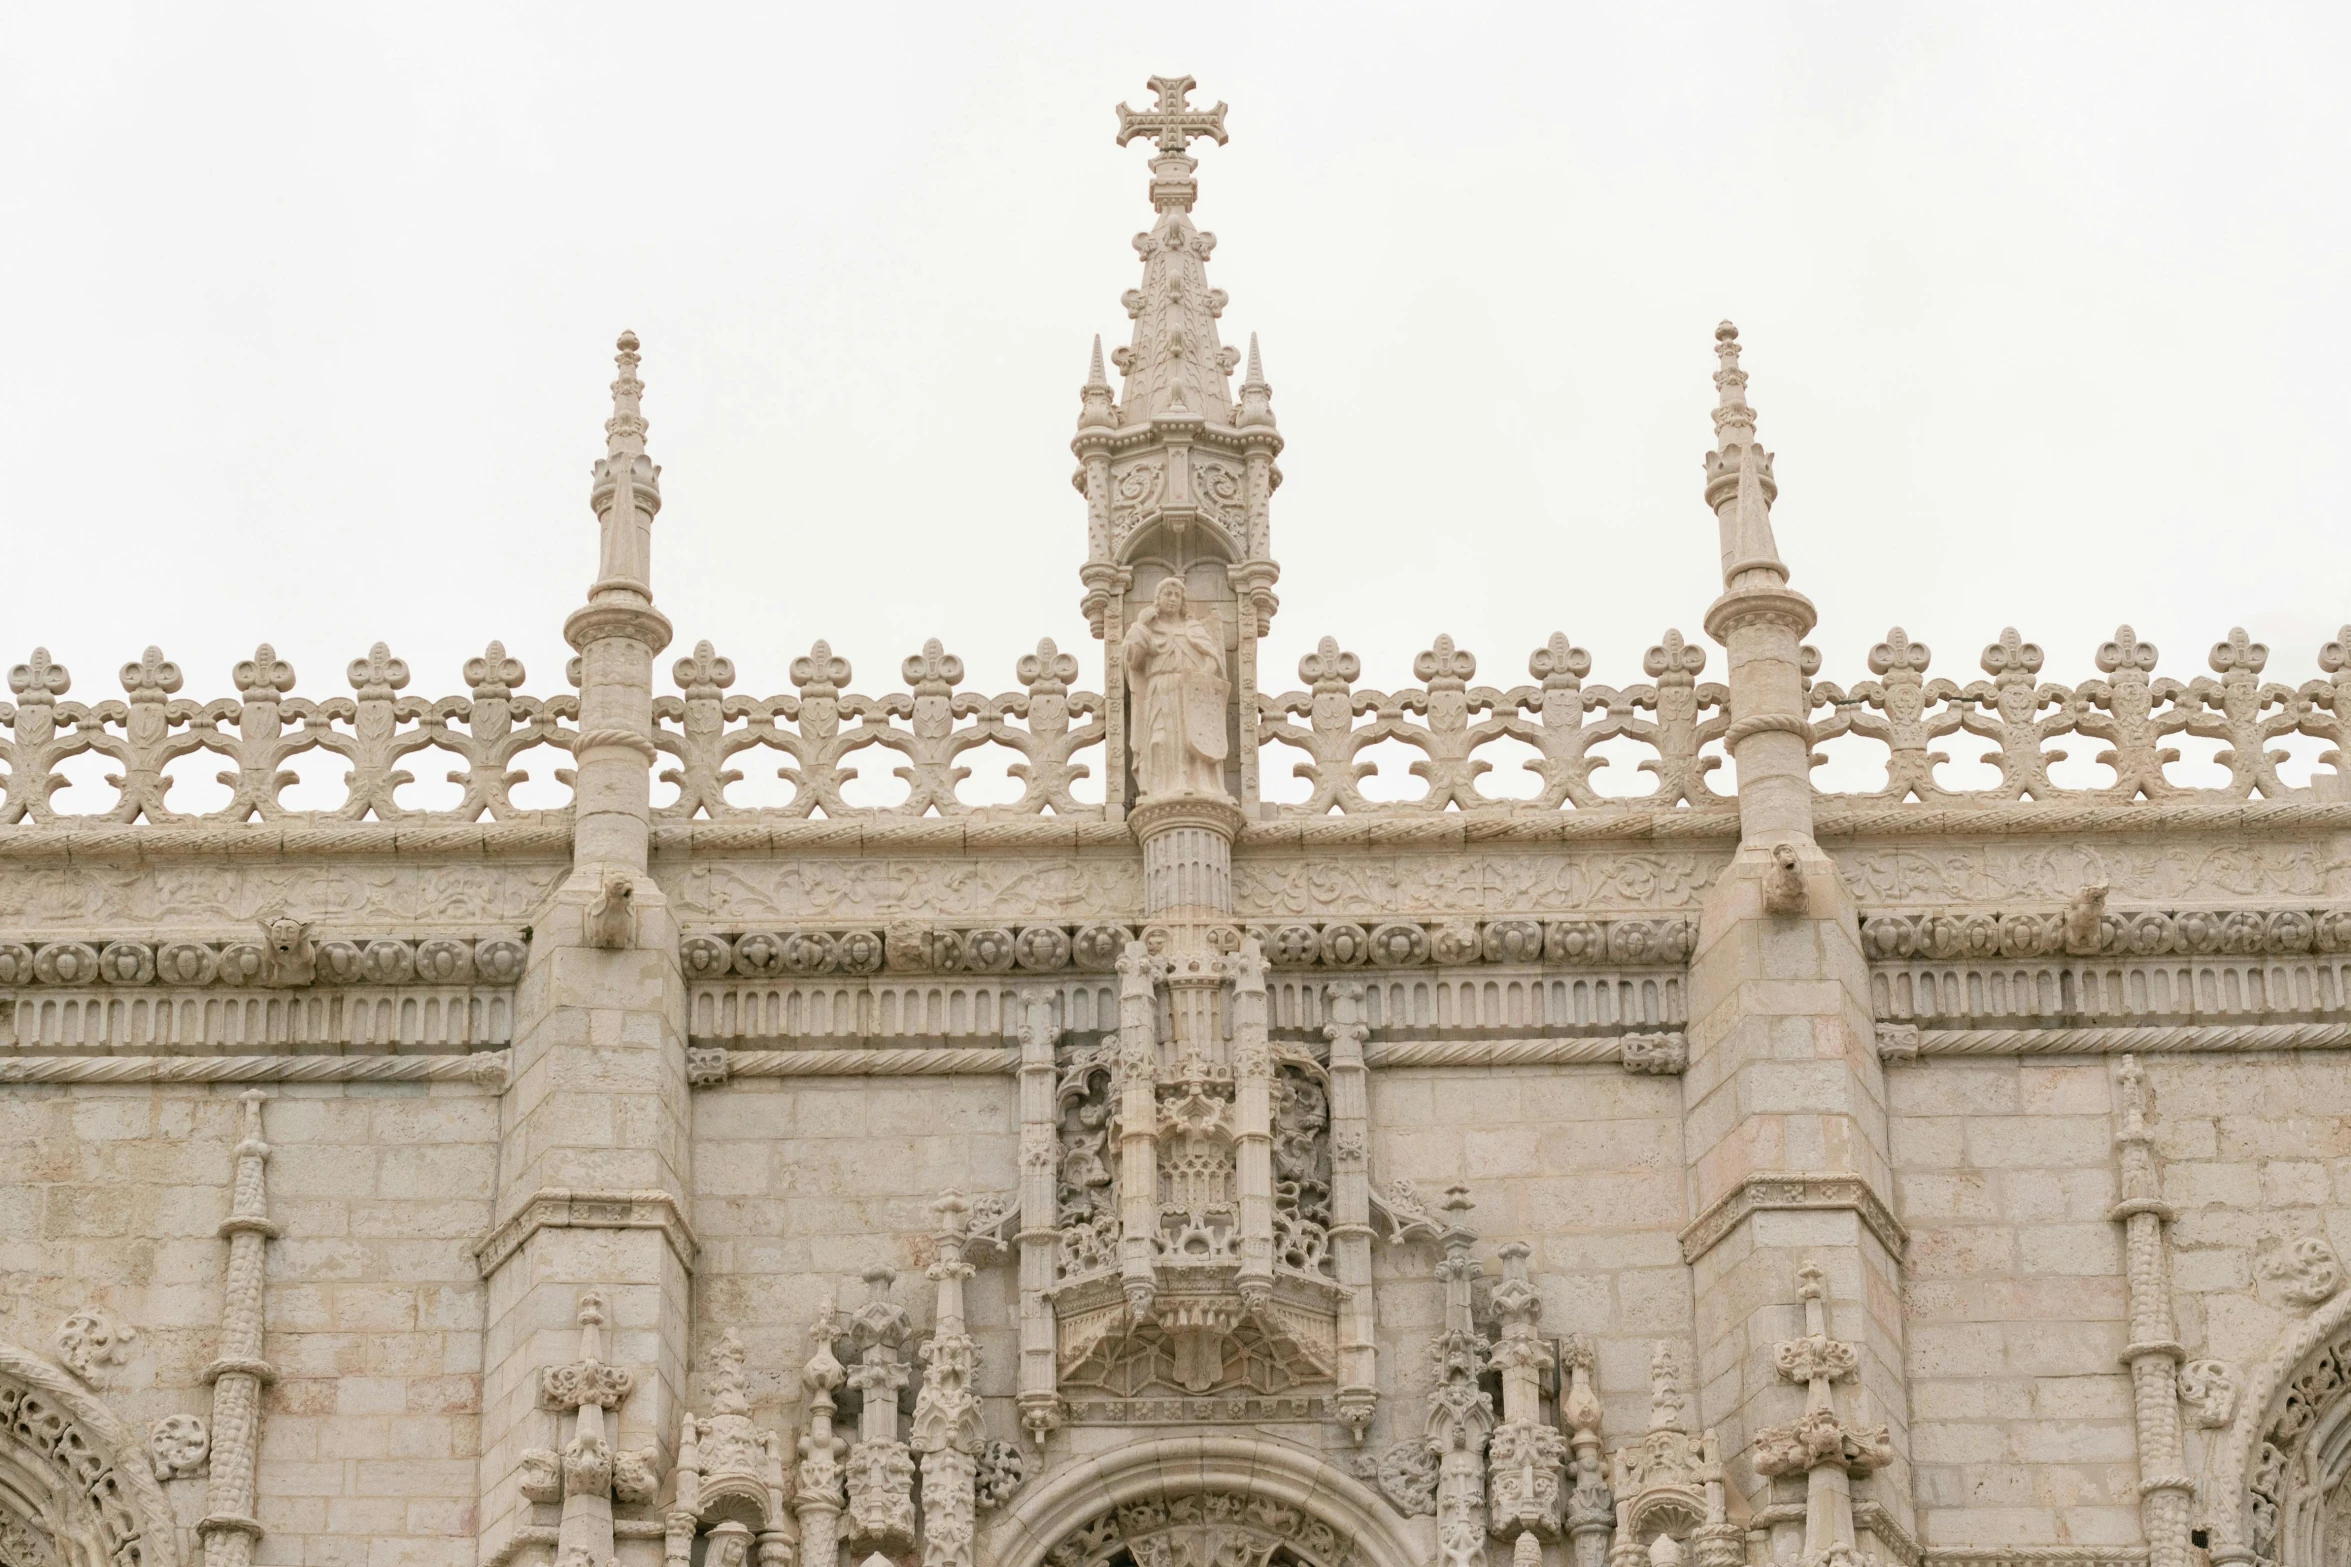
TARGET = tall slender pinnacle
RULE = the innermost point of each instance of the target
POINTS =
(1739, 484)
(1256, 394)
(1100, 410)
(1760, 621)
(626, 494)
(617, 632)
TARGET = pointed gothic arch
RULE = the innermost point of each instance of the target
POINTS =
(2281, 1478)
(1286, 1506)
(75, 1487)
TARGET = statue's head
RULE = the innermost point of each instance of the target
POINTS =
(285, 935)
(1169, 600)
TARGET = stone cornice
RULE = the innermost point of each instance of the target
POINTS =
(558, 1208)
(541, 835)
(1783, 1191)
(547, 834)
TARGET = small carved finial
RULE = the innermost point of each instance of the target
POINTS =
(953, 1210)
(253, 1099)
(1811, 1282)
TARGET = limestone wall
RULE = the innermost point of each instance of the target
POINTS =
(374, 1306)
(2022, 1415)
(803, 1183)
(1585, 1165)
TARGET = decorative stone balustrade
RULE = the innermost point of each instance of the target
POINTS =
(708, 739)
(265, 727)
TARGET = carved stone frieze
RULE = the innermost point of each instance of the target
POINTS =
(2266, 866)
(1051, 948)
(208, 899)
(276, 959)
(2096, 929)
(1270, 888)
(1015, 887)
(1349, 944)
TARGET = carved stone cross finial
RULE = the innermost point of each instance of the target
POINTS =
(1170, 122)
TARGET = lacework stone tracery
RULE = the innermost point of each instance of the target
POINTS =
(1057, 733)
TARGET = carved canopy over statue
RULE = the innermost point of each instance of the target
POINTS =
(1176, 674)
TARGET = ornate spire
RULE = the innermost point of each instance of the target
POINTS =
(627, 490)
(1739, 485)
(1175, 367)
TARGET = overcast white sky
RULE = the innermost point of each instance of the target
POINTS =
(311, 308)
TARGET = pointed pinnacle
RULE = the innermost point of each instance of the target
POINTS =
(1095, 375)
(627, 424)
(1256, 366)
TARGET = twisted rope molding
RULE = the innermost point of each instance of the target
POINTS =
(2117, 1040)
(484, 1069)
(962, 1061)
(1666, 1057)
(1605, 1050)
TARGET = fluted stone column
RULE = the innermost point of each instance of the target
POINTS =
(595, 1156)
(1784, 1101)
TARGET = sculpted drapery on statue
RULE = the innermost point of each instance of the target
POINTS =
(1176, 673)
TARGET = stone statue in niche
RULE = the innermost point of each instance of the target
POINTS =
(1175, 672)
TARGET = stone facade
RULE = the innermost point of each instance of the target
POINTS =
(1161, 1167)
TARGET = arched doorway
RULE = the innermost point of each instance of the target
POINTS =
(75, 1490)
(1205, 1501)
(2288, 1467)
